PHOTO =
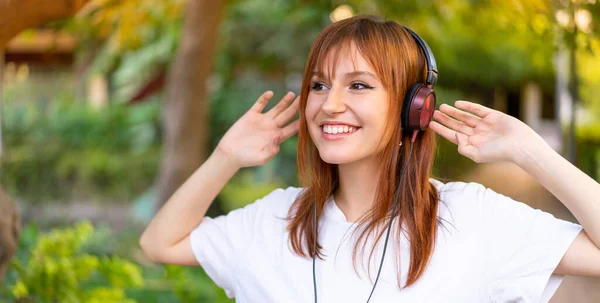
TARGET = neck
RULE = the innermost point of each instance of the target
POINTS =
(357, 186)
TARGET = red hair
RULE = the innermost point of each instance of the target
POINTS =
(399, 63)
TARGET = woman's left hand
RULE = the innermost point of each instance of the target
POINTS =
(482, 134)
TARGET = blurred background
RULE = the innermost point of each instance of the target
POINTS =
(108, 106)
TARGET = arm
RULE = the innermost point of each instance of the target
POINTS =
(166, 239)
(486, 135)
(253, 140)
(577, 191)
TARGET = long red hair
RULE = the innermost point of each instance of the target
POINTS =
(399, 63)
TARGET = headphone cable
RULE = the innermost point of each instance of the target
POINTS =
(386, 237)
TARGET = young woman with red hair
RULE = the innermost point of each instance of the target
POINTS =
(364, 158)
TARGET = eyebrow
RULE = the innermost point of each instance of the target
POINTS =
(348, 75)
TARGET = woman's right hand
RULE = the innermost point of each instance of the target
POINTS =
(254, 139)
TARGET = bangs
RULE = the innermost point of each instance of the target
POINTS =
(326, 61)
(373, 39)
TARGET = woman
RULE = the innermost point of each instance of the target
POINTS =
(365, 172)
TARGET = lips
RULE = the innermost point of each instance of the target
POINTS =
(337, 131)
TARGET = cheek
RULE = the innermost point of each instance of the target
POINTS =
(312, 110)
(374, 113)
(377, 116)
(309, 112)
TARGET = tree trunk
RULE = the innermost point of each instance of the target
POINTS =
(1, 99)
(9, 231)
(17, 15)
(185, 112)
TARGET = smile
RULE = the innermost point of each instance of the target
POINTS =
(332, 132)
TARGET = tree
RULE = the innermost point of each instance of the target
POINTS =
(185, 112)
(138, 40)
(577, 34)
(9, 231)
(17, 15)
(131, 42)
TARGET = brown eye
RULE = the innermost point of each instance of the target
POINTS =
(360, 86)
(318, 86)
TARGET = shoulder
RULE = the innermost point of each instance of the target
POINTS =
(281, 196)
(469, 200)
(475, 202)
(277, 202)
(270, 209)
(464, 191)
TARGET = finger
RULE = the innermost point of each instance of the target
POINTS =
(462, 116)
(288, 113)
(273, 148)
(475, 108)
(443, 131)
(464, 148)
(282, 105)
(452, 123)
(290, 130)
(261, 102)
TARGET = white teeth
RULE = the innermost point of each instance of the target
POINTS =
(338, 129)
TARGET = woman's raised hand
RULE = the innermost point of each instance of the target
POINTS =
(254, 139)
(483, 134)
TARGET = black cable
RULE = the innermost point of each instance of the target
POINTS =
(391, 219)
(397, 196)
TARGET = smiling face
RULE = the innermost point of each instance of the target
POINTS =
(346, 111)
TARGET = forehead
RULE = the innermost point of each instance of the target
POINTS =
(342, 59)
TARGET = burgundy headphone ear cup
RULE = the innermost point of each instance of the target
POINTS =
(420, 108)
(406, 107)
(427, 109)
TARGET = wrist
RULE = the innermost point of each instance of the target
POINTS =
(225, 160)
(529, 151)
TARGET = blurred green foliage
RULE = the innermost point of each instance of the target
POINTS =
(73, 264)
(131, 40)
(63, 150)
(588, 149)
(481, 44)
(589, 67)
(67, 150)
(54, 267)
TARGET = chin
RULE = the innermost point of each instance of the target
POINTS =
(336, 157)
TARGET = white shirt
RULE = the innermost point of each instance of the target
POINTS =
(490, 249)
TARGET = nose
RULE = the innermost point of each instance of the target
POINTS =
(334, 103)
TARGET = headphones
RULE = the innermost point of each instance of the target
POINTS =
(417, 111)
(419, 101)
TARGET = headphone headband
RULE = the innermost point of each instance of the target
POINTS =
(432, 71)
